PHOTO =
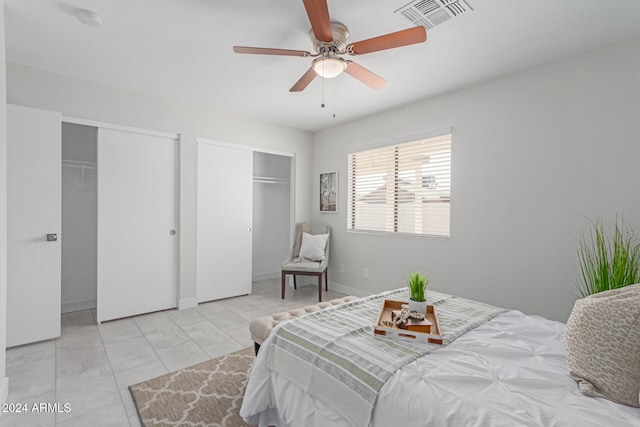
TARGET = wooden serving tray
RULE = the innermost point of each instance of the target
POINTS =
(388, 306)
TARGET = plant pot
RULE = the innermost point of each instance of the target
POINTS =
(419, 306)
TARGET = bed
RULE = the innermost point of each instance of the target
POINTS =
(500, 368)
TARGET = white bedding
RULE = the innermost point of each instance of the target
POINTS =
(510, 371)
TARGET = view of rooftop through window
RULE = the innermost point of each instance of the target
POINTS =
(401, 188)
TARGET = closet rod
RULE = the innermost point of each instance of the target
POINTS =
(78, 164)
(270, 180)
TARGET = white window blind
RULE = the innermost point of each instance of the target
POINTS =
(401, 188)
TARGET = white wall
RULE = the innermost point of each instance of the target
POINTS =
(80, 98)
(534, 156)
(79, 219)
(4, 382)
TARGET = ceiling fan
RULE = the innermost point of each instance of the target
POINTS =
(330, 43)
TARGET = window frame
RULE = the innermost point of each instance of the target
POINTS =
(352, 196)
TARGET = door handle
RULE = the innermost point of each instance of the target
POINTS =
(52, 237)
(172, 232)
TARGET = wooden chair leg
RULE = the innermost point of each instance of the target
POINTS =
(320, 287)
(295, 285)
(283, 275)
(326, 280)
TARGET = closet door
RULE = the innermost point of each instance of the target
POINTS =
(137, 241)
(33, 213)
(225, 209)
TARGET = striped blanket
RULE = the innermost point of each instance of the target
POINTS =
(334, 355)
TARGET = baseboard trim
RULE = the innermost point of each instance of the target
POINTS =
(265, 276)
(187, 303)
(68, 307)
(4, 390)
(348, 290)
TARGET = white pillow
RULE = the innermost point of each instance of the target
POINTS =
(313, 246)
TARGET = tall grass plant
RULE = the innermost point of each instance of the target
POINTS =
(608, 261)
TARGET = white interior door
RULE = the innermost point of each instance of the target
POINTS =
(225, 209)
(33, 212)
(137, 220)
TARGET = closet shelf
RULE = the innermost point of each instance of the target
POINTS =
(270, 180)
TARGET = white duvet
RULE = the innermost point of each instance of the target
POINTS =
(510, 371)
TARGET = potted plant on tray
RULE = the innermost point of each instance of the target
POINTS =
(417, 283)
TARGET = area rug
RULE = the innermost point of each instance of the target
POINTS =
(208, 394)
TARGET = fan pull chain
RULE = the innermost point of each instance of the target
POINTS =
(323, 79)
(334, 101)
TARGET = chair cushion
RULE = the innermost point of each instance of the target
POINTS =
(602, 341)
(261, 327)
(313, 246)
(302, 265)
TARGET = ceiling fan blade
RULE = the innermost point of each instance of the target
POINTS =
(318, 13)
(367, 77)
(304, 81)
(269, 51)
(389, 41)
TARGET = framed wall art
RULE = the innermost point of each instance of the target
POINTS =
(329, 192)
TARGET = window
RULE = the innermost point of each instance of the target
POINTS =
(401, 188)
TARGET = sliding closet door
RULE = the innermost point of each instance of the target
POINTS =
(225, 200)
(33, 224)
(137, 220)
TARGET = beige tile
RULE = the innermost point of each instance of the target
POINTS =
(164, 335)
(130, 353)
(151, 319)
(87, 391)
(119, 330)
(109, 416)
(30, 417)
(228, 321)
(236, 304)
(212, 307)
(262, 301)
(182, 356)
(205, 333)
(80, 356)
(30, 353)
(32, 379)
(185, 317)
(134, 421)
(78, 326)
(242, 336)
(222, 348)
(251, 315)
(77, 318)
(76, 334)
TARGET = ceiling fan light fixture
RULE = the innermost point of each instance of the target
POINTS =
(329, 67)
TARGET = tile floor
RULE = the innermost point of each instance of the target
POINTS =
(90, 366)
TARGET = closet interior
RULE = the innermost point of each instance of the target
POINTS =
(79, 217)
(272, 213)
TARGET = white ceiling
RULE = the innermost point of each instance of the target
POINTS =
(182, 49)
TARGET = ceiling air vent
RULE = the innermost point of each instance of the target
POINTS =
(430, 13)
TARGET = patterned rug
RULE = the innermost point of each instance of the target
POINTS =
(208, 394)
